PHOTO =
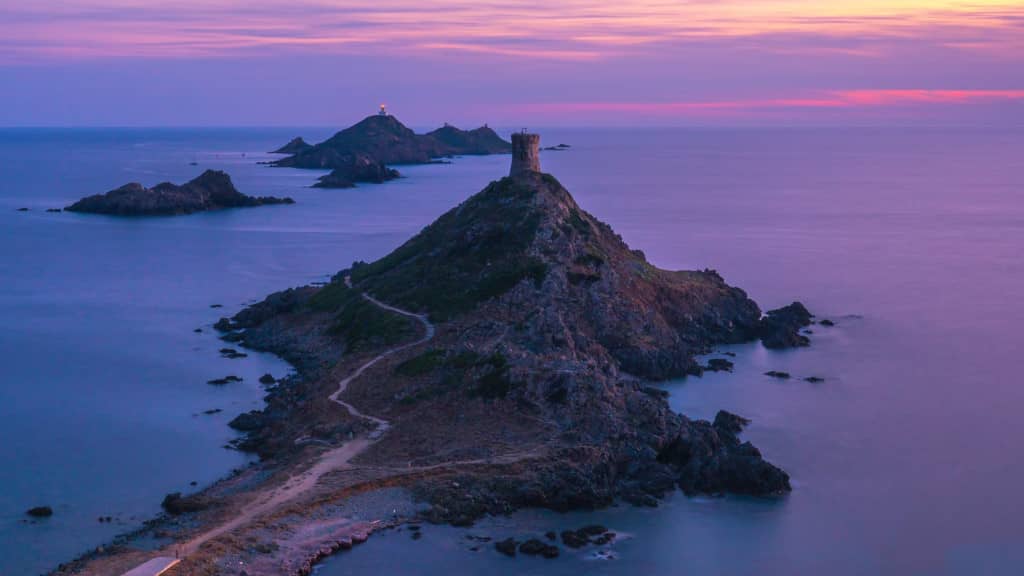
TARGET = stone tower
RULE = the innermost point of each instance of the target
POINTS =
(525, 153)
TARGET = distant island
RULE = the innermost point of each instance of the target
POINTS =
(499, 359)
(211, 190)
(363, 152)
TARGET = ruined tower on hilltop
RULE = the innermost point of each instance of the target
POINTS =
(525, 153)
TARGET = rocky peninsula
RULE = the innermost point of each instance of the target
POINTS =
(363, 152)
(501, 358)
(211, 190)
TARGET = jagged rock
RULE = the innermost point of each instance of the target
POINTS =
(294, 146)
(780, 327)
(777, 374)
(730, 422)
(212, 190)
(814, 379)
(355, 167)
(224, 380)
(248, 421)
(267, 379)
(711, 459)
(827, 322)
(224, 325)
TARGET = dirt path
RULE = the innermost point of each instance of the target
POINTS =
(335, 459)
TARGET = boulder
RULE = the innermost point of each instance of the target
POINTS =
(780, 328)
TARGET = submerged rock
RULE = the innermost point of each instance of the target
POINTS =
(40, 512)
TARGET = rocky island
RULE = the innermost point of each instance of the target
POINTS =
(499, 359)
(362, 152)
(211, 190)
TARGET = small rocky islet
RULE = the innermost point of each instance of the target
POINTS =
(362, 153)
(211, 190)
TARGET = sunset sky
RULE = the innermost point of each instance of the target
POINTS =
(576, 62)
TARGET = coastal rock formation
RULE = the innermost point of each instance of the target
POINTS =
(478, 141)
(362, 152)
(212, 190)
(547, 322)
(295, 146)
(780, 328)
(356, 167)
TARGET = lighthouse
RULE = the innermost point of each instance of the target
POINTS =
(383, 110)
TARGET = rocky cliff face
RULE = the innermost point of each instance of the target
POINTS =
(212, 190)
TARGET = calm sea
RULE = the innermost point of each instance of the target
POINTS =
(904, 461)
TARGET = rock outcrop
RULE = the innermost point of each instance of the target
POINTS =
(295, 146)
(212, 190)
(356, 167)
(780, 328)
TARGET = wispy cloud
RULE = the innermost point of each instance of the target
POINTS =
(840, 99)
(568, 30)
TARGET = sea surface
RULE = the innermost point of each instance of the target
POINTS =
(905, 460)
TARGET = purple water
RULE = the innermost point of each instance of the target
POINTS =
(903, 460)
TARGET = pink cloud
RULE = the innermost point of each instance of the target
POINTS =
(840, 99)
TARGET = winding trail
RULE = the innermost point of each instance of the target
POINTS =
(335, 459)
(428, 334)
